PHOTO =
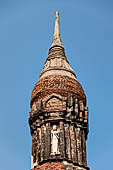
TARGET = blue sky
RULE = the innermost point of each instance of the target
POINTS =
(26, 30)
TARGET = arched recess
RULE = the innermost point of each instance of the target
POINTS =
(55, 102)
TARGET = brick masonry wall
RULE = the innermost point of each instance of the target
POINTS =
(54, 104)
(58, 166)
(59, 100)
(62, 85)
(72, 137)
(51, 166)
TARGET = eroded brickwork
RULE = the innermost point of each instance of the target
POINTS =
(58, 166)
(70, 115)
(62, 85)
(51, 166)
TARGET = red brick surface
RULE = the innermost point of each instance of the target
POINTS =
(51, 166)
(62, 85)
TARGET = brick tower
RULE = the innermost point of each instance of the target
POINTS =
(59, 116)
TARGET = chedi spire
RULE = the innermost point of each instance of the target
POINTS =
(58, 117)
(56, 62)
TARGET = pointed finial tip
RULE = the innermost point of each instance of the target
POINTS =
(57, 13)
(56, 35)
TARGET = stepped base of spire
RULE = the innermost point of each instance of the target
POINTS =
(57, 64)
